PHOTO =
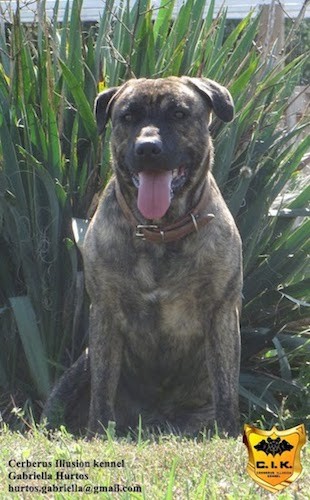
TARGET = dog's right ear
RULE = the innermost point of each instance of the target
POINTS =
(102, 108)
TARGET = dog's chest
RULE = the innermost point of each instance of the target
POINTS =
(159, 273)
(166, 288)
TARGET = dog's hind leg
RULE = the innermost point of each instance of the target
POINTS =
(68, 403)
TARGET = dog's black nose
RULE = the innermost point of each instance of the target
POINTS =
(148, 147)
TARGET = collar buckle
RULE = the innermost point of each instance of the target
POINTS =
(140, 227)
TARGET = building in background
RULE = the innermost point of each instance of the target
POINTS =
(92, 9)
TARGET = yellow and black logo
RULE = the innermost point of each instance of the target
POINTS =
(274, 456)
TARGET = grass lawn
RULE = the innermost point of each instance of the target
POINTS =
(171, 468)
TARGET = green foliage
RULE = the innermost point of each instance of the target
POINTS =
(51, 163)
(300, 44)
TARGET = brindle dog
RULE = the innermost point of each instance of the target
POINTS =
(163, 265)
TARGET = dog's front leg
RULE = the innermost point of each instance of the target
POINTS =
(105, 352)
(223, 352)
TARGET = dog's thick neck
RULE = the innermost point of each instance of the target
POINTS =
(182, 202)
(158, 231)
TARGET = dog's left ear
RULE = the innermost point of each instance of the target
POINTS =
(102, 108)
(218, 97)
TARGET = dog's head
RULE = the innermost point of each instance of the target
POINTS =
(160, 135)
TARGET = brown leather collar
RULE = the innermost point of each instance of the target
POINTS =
(191, 222)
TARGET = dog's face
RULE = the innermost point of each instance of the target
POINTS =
(160, 135)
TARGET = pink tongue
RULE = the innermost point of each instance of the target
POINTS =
(154, 193)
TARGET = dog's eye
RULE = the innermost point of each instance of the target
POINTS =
(127, 117)
(179, 114)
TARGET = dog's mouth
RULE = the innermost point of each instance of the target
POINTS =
(156, 189)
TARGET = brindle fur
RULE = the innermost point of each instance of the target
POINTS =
(164, 337)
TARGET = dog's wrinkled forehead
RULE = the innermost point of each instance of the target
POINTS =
(156, 94)
(154, 87)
